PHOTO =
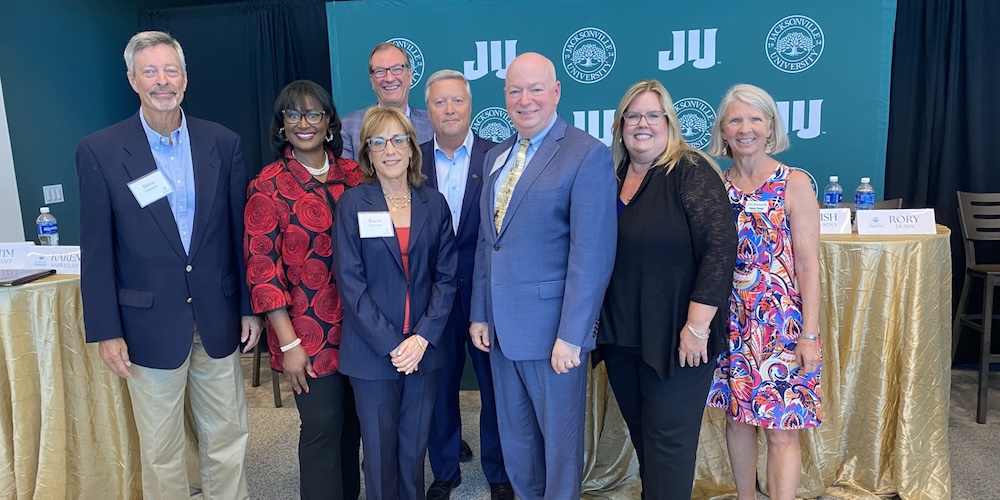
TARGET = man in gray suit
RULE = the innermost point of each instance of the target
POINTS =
(546, 248)
(391, 75)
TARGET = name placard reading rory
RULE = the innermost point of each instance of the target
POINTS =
(911, 221)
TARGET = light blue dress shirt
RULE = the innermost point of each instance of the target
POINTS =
(453, 175)
(535, 142)
(173, 158)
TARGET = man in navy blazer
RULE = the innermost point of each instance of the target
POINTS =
(453, 164)
(163, 282)
(391, 75)
(542, 264)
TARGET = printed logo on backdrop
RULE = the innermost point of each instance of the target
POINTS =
(415, 55)
(812, 180)
(695, 118)
(589, 55)
(591, 122)
(493, 124)
(806, 125)
(497, 58)
(794, 44)
(702, 56)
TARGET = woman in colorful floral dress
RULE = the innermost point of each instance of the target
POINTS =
(769, 375)
(288, 218)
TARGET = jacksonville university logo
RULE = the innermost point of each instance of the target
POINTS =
(806, 125)
(592, 123)
(695, 118)
(589, 55)
(701, 55)
(794, 44)
(493, 124)
(415, 55)
(497, 58)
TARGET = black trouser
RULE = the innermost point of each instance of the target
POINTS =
(325, 469)
(663, 418)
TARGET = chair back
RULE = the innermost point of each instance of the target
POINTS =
(979, 214)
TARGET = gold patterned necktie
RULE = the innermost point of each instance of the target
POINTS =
(507, 189)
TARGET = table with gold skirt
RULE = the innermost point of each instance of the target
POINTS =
(66, 427)
(885, 320)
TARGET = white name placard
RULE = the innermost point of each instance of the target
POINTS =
(909, 221)
(14, 255)
(65, 259)
(834, 221)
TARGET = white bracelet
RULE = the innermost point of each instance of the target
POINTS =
(809, 337)
(291, 345)
(696, 333)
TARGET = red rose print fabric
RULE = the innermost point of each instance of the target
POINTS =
(289, 254)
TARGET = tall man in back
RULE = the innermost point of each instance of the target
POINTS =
(391, 75)
(545, 253)
(163, 282)
(454, 166)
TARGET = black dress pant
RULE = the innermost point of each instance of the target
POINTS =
(663, 418)
(322, 413)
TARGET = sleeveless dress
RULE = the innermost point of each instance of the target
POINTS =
(757, 380)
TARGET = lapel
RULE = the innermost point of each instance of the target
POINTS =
(428, 163)
(138, 161)
(205, 163)
(418, 215)
(543, 155)
(474, 181)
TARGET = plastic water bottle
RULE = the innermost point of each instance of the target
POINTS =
(864, 196)
(48, 230)
(833, 194)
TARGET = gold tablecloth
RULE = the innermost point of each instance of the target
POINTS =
(886, 326)
(66, 428)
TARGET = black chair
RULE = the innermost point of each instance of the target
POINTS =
(255, 377)
(979, 214)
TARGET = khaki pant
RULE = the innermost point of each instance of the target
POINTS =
(218, 405)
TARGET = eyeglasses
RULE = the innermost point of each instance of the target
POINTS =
(652, 117)
(399, 141)
(313, 116)
(396, 69)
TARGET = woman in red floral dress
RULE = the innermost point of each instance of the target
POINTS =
(289, 259)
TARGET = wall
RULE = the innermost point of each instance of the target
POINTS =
(10, 207)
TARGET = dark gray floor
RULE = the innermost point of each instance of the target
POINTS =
(273, 468)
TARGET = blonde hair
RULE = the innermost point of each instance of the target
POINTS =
(377, 118)
(676, 148)
(761, 101)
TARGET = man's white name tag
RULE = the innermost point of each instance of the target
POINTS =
(910, 221)
(150, 187)
(835, 221)
(375, 224)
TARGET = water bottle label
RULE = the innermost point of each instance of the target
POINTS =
(864, 199)
(48, 228)
(832, 198)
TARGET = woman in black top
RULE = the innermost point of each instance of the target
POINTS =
(660, 324)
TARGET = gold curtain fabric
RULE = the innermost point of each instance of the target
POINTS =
(66, 430)
(886, 327)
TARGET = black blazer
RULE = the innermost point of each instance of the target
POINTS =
(373, 286)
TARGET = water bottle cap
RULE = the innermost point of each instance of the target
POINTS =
(866, 180)
(43, 210)
(834, 178)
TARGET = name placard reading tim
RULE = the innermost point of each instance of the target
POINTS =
(911, 221)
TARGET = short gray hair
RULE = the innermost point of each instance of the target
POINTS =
(146, 39)
(445, 74)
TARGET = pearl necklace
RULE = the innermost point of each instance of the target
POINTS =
(405, 200)
(316, 172)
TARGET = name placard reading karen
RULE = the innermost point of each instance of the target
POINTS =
(834, 221)
(14, 255)
(65, 259)
(910, 221)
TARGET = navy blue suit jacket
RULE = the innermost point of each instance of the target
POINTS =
(137, 282)
(373, 286)
(468, 223)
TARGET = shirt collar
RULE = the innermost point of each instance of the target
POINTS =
(154, 137)
(539, 137)
(467, 144)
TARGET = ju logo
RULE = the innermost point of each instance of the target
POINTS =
(414, 54)
(592, 123)
(695, 118)
(806, 125)
(491, 56)
(493, 124)
(702, 56)
(794, 44)
(589, 55)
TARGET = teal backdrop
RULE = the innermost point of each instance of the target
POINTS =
(825, 63)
